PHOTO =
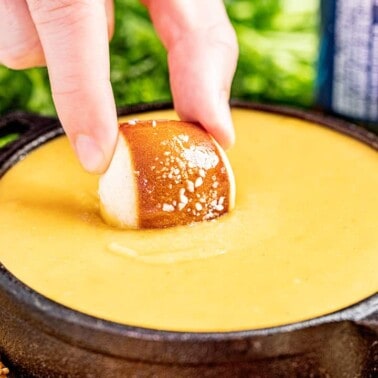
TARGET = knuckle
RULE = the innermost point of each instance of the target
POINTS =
(20, 58)
(12, 63)
(225, 35)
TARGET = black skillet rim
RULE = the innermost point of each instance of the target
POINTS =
(364, 309)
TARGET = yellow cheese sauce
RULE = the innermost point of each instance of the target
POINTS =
(301, 242)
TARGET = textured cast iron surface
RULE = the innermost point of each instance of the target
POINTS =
(40, 338)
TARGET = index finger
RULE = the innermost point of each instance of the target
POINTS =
(74, 37)
(202, 56)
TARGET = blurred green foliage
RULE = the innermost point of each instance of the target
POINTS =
(278, 48)
(4, 140)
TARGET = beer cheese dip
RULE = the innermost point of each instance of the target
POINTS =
(300, 242)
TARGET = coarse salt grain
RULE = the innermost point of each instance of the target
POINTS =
(181, 205)
(190, 186)
(199, 182)
(168, 207)
(184, 199)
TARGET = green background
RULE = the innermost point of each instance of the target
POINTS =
(278, 42)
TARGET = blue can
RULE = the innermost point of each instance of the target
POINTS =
(347, 81)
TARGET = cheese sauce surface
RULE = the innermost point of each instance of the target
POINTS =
(301, 242)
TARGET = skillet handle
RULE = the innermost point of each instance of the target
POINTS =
(30, 130)
(24, 124)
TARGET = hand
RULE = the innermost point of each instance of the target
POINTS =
(71, 38)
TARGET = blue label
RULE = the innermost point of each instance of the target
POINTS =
(347, 80)
(326, 53)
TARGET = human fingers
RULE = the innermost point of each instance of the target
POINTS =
(20, 47)
(74, 37)
(202, 57)
(201, 88)
(19, 42)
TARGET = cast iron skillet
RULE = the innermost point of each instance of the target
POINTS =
(41, 338)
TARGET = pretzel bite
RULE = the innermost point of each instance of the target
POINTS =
(165, 173)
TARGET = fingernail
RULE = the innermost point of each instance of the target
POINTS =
(89, 153)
